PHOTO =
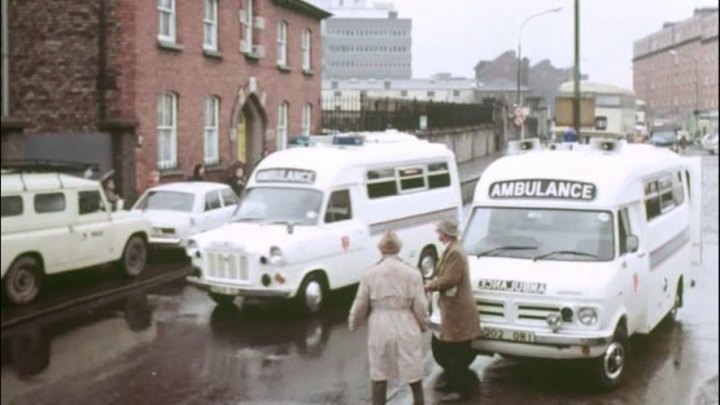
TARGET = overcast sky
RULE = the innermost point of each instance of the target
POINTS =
(453, 35)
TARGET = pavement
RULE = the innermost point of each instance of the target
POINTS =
(471, 170)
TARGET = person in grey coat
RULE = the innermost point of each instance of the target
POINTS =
(391, 300)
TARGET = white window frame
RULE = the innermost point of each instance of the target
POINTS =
(210, 25)
(170, 12)
(307, 50)
(282, 30)
(282, 125)
(211, 130)
(307, 119)
(248, 26)
(167, 131)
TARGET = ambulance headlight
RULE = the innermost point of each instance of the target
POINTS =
(588, 316)
(276, 256)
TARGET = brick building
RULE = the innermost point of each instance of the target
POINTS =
(158, 85)
(675, 71)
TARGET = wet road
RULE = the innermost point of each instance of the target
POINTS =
(170, 344)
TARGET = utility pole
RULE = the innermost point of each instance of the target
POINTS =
(576, 99)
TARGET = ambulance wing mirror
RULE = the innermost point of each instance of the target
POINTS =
(633, 243)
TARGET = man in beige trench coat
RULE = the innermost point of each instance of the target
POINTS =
(391, 299)
(460, 320)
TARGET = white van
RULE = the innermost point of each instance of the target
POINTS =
(52, 223)
(310, 219)
(574, 251)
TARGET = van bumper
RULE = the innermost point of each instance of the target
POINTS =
(546, 345)
(242, 291)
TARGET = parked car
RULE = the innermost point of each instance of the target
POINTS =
(178, 211)
(52, 223)
(710, 142)
(665, 137)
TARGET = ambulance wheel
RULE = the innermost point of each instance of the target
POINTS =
(428, 262)
(222, 299)
(311, 295)
(609, 368)
(21, 284)
(671, 316)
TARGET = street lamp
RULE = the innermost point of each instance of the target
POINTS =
(696, 113)
(519, 75)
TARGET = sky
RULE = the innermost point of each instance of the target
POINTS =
(453, 35)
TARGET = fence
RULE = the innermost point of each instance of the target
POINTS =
(347, 114)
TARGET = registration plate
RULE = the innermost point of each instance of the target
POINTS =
(515, 336)
(223, 290)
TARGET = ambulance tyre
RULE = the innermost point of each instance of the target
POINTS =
(222, 300)
(609, 368)
(311, 295)
(671, 316)
(134, 257)
(428, 262)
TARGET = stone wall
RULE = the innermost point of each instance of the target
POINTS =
(468, 143)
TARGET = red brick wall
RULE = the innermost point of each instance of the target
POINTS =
(194, 76)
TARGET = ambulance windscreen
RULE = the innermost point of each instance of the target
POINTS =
(541, 234)
(280, 206)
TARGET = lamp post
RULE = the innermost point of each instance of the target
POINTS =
(520, 59)
(696, 112)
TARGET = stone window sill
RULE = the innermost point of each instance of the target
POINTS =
(308, 72)
(175, 172)
(252, 56)
(170, 46)
(212, 54)
(216, 167)
(284, 68)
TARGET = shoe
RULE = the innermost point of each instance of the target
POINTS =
(451, 397)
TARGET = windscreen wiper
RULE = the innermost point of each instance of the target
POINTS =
(565, 252)
(503, 248)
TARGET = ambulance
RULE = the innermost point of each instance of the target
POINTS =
(310, 218)
(574, 250)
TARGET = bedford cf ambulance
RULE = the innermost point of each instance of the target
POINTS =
(310, 218)
(574, 251)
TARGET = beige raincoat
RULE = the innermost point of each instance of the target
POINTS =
(391, 298)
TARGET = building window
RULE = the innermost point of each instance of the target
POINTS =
(210, 26)
(282, 44)
(167, 131)
(166, 13)
(307, 119)
(212, 154)
(282, 128)
(307, 50)
(248, 26)
(431, 94)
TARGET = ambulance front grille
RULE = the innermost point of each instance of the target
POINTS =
(490, 308)
(535, 312)
(227, 266)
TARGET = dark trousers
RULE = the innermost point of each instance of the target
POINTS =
(456, 373)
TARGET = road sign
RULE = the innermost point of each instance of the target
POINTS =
(519, 116)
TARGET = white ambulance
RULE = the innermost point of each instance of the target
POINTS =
(310, 218)
(574, 251)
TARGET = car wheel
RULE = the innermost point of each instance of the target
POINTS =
(22, 281)
(222, 299)
(134, 256)
(428, 263)
(609, 368)
(311, 295)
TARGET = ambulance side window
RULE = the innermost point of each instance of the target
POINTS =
(624, 229)
(339, 207)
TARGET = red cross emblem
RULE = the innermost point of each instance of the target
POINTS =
(636, 282)
(345, 242)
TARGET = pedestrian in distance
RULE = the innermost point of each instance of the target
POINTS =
(460, 320)
(682, 144)
(153, 179)
(391, 301)
(108, 185)
(198, 173)
(236, 178)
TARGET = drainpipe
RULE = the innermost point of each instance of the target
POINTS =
(5, 61)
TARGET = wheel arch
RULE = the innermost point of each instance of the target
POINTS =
(33, 254)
